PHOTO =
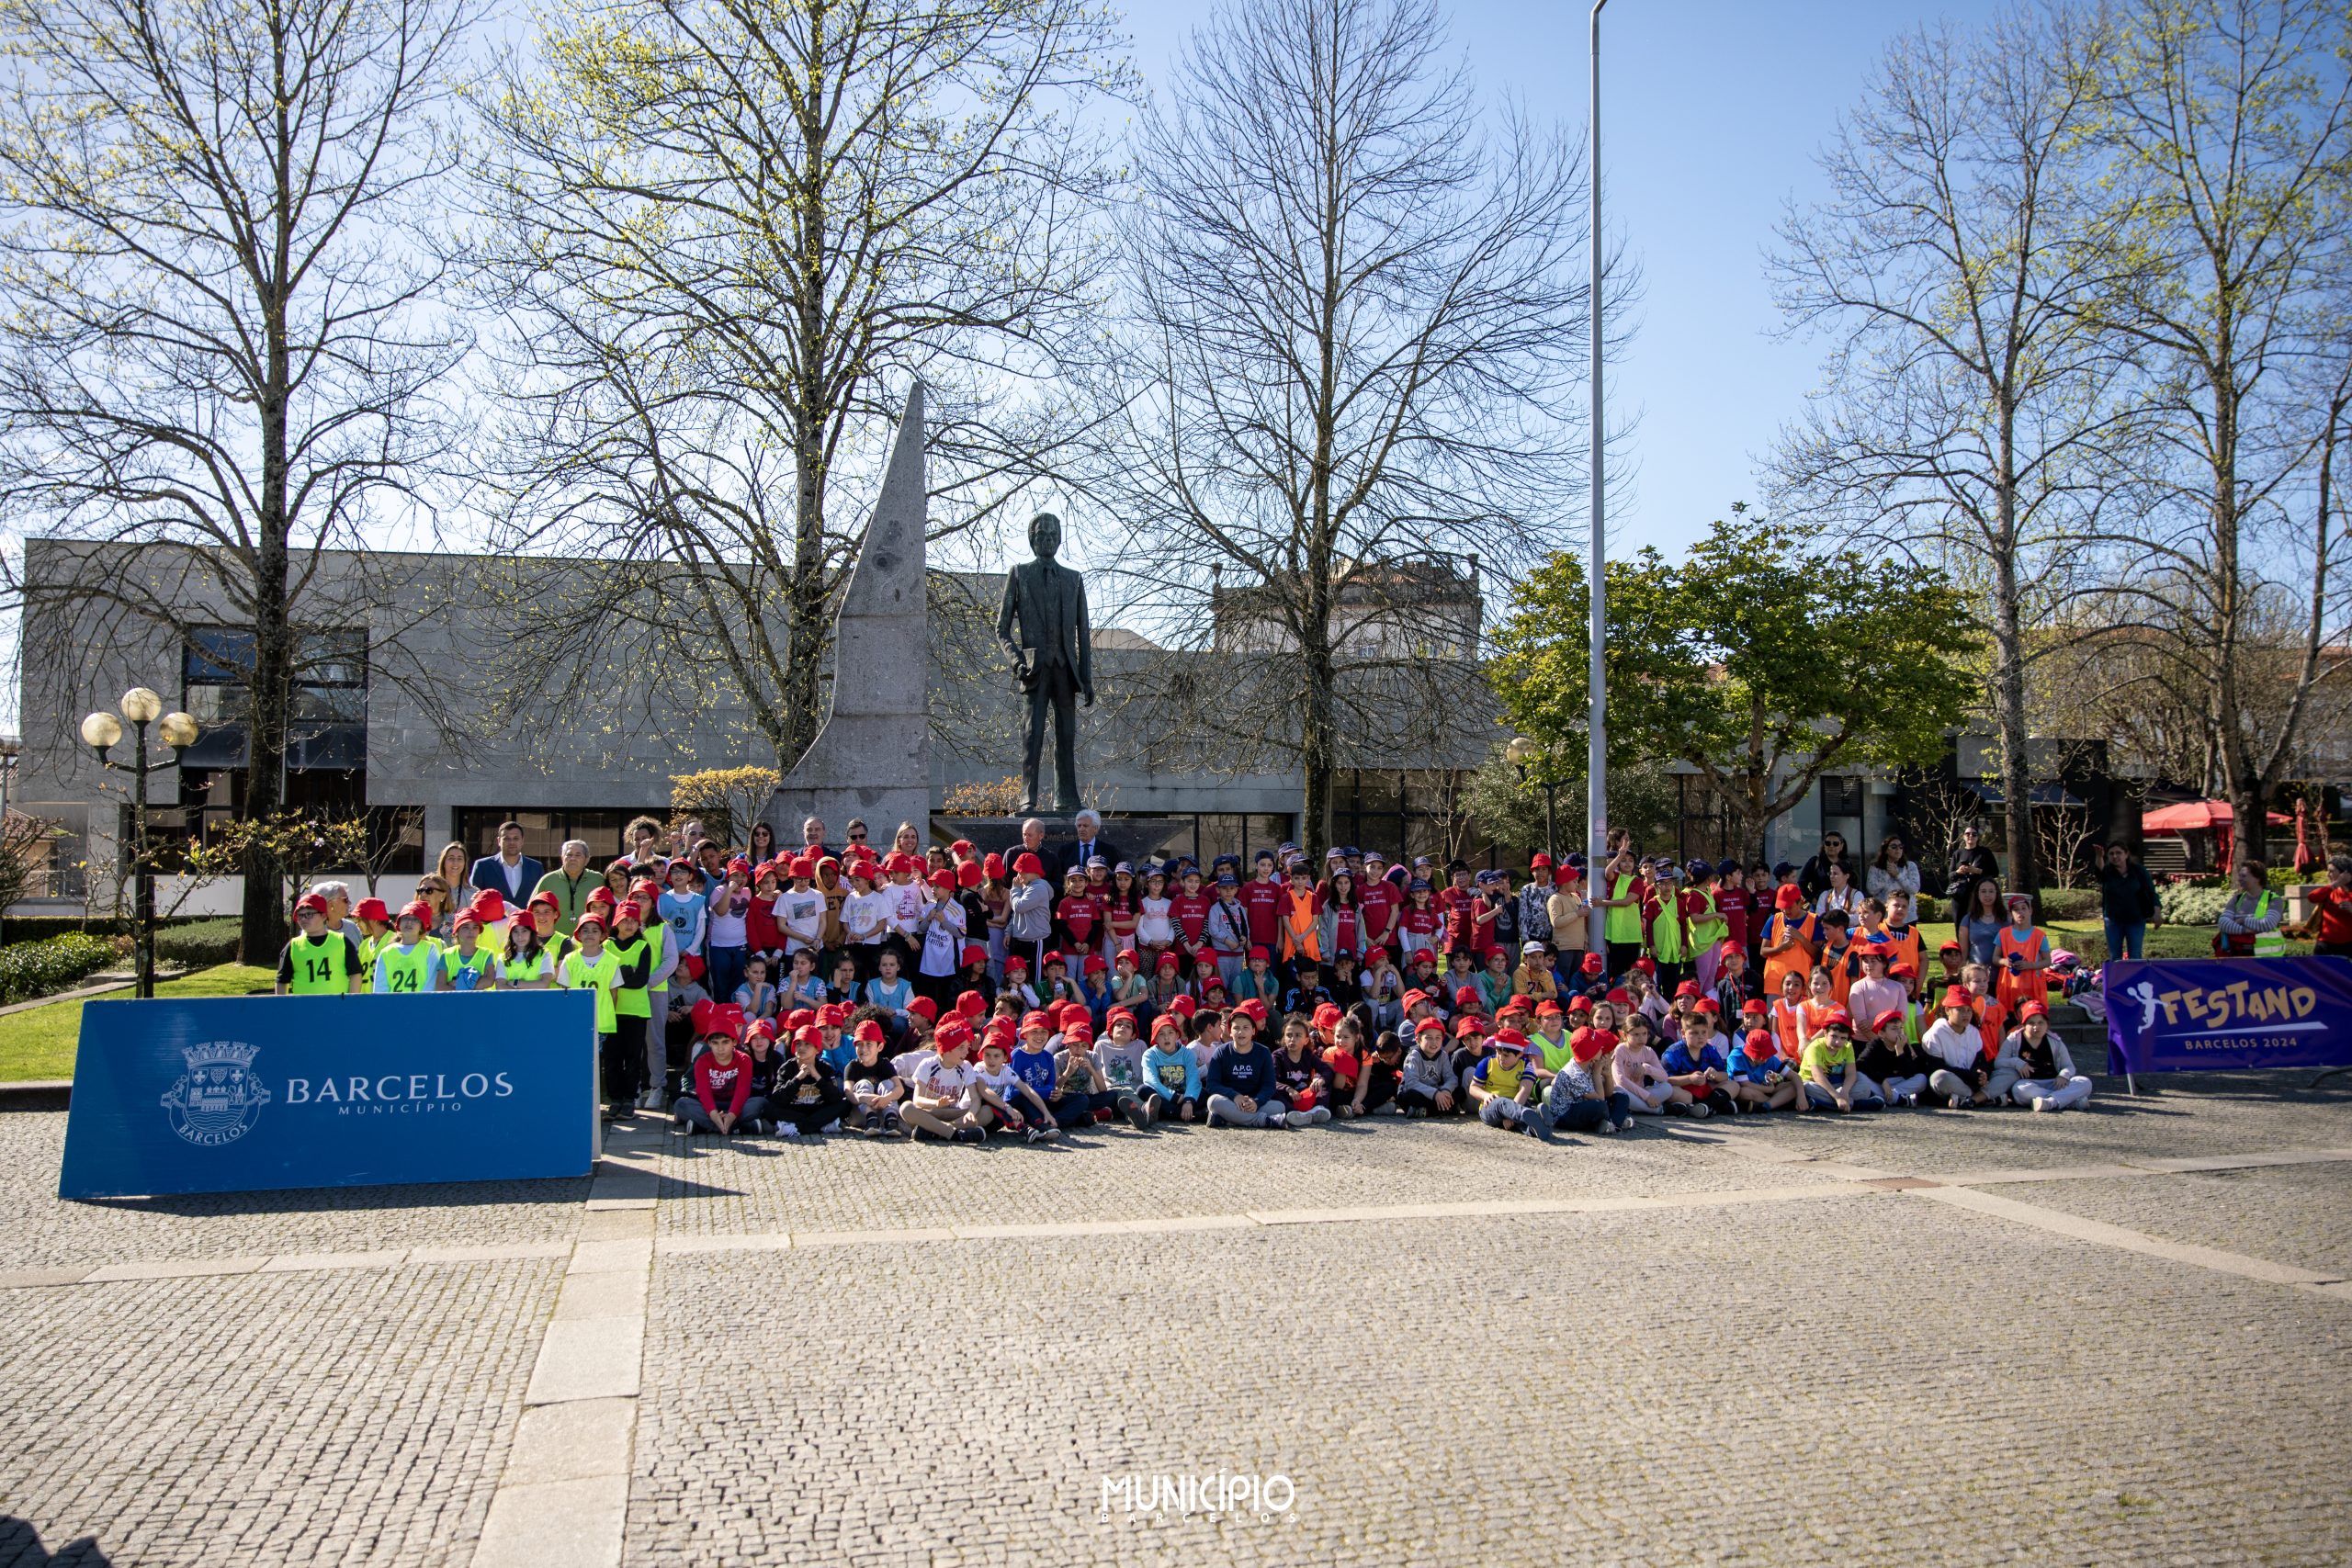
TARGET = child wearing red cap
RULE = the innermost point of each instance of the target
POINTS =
(875, 1089)
(2048, 1081)
(1001, 1096)
(592, 965)
(1094, 985)
(408, 965)
(1130, 989)
(1118, 1059)
(1761, 1075)
(1035, 1062)
(633, 953)
(1302, 1082)
(1889, 1057)
(938, 1104)
(1503, 1090)
(1427, 1083)
(317, 961)
(1791, 938)
(1953, 1039)
(939, 930)
(721, 1099)
(1832, 1079)
(808, 1092)
(800, 908)
(1581, 1097)
(973, 979)
(1382, 989)
(1171, 1074)
(1239, 1079)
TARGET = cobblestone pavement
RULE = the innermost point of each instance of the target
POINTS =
(1763, 1344)
(355, 1417)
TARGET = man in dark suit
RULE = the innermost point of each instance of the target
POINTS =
(1091, 843)
(1043, 626)
(510, 872)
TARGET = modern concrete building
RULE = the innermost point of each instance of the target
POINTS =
(418, 702)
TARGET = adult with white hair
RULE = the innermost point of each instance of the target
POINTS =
(1091, 844)
(338, 897)
(570, 884)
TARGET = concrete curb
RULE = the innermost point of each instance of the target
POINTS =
(36, 1094)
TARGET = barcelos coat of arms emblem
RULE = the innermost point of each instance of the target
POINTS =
(219, 1097)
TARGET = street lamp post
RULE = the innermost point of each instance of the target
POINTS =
(1523, 753)
(1596, 553)
(100, 731)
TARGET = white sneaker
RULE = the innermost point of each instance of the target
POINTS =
(786, 1130)
(2039, 1103)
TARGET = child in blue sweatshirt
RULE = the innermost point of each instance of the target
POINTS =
(1240, 1078)
(1172, 1075)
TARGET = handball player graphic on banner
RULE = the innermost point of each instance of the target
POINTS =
(2206, 1014)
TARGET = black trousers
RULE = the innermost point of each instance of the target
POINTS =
(622, 1066)
(1054, 696)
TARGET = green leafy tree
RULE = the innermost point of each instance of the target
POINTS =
(1762, 660)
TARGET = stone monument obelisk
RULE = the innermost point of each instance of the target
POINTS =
(872, 758)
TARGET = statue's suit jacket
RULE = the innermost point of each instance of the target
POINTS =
(1047, 601)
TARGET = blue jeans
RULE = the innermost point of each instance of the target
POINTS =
(725, 972)
(2126, 942)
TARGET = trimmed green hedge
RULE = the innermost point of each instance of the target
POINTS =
(2070, 903)
(199, 944)
(41, 928)
(2186, 904)
(30, 969)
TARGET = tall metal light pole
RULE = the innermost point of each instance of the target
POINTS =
(100, 731)
(1596, 806)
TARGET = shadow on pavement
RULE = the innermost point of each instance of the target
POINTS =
(20, 1547)
(568, 1190)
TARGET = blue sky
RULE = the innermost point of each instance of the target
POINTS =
(1712, 112)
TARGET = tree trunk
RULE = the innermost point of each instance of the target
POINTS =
(264, 912)
(2009, 689)
(1318, 727)
(805, 629)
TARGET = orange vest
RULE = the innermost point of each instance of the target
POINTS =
(2018, 989)
(1797, 960)
(1299, 936)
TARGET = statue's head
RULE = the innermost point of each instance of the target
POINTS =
(1046, 534)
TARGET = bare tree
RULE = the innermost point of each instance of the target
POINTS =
(728, 234)
(1356, 320)
(2226, 128)
(1972, 415)
(223, 331)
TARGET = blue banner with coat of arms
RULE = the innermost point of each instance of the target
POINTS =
(2202, 1014)
(235, 1094)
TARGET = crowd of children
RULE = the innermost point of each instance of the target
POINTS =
(955, 994)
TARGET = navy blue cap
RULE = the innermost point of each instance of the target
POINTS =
(1781, 868)
(1727, 867)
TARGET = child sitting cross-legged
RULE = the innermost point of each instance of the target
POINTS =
(1503, 1090)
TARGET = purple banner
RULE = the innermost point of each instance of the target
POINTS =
(2204, 1014)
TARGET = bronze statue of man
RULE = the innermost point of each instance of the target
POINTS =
(1043, 625)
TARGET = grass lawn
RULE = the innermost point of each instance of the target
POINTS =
(38, 1042)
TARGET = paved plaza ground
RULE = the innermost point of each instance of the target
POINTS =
(2117, 1337)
